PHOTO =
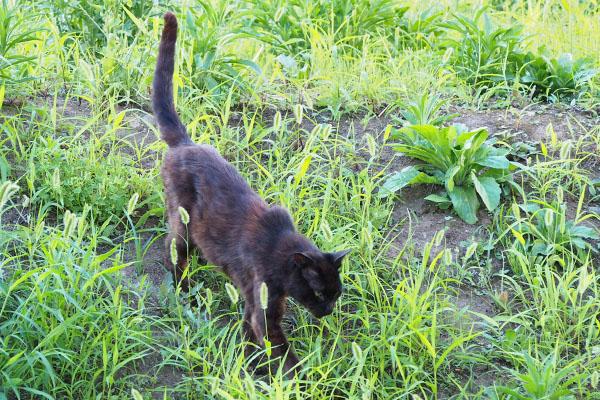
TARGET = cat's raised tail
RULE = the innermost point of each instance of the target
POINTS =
(172, 129)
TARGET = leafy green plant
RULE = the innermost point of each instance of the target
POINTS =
(67, 329)
(542, 380)
(556, 78)
(483, 51)
(419, 29)
(94, 21)
(464, 162)
(15, 30)
(70, 175)
(425, 111)
(213, 26)
(289, 25)
(540, 231)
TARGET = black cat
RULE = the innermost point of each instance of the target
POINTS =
(233, 227)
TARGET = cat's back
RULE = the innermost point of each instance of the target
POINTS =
(201, 161)
(183, 158)
(199, 168)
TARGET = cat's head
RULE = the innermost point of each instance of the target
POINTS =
(316, 280)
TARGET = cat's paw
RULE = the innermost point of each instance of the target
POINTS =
(291, 366)
(261, 370)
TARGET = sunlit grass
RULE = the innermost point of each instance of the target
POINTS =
(80, 319)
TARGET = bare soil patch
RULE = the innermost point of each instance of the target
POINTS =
(530, 123)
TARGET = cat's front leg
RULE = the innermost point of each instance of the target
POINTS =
(281, 348)
(267, 324)
(291, 363)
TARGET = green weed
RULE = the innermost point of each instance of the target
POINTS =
(300, 97)
(425, 111)
(68, 328)
(462, 161)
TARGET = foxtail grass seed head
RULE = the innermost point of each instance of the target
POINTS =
(56, 180)
(584, 281)
(232, 293)
(447, 257)
(314, 134)
(516, 210)
(565, 150)
(132, 203)
(470, 250)
(562, 223)
(326, 131)
(548, 217)
(367, 238)
(280, 11)
(136, 395)
(70, 222)
(82, 220)
(6, 191)
(326, 230)
(356, 352)
(316, 130)
(372, 146)
(550, 132)
(307, 99)
(447, 55)
(264, 296)
(39, 230)
(185, 217)
(559, 195)
(277, 121)
(439, 237)
(67, 221)
(298, 113)
(25, 202)
(503, 297)
(173, 249)
(594, 379)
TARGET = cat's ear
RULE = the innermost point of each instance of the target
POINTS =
(337, 257)
(306, 264)
(313, 278)
(303, 260)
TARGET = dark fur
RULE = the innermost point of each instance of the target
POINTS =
(233, 227)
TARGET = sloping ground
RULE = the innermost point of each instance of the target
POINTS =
(413, 223)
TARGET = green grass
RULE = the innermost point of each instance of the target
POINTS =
(82, 208)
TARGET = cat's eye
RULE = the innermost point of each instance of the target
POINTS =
(319, 295)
